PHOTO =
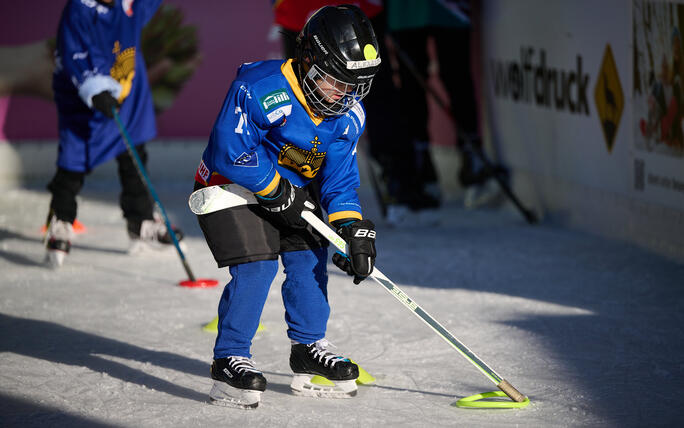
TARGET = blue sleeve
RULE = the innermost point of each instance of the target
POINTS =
(81, 57)
(340, 176)
(235, 144)
(339, 180)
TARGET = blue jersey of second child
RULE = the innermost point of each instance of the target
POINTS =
(98, 49)
(266, 130)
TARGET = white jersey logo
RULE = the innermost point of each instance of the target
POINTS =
(79, 55)
(280, 112)
(102, 10)
(359, 113)
(203, 171)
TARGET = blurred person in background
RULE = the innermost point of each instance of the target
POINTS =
(99, 67)
(448, 23)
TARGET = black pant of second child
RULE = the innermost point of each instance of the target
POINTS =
(134, 200)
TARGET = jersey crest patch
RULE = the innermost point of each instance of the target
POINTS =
(123, 70)
(305, 162)
(247, 159)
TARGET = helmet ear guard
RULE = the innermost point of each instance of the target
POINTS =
(337, 45)
(304, 56)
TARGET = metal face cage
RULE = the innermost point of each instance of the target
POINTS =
(331, 96)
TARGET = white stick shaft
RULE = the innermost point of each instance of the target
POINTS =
(395, 291)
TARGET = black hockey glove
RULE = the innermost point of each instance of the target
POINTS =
(360, 238)
(286, 204)
(103, 102)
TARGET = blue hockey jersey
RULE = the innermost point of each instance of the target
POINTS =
(98, 48)
(266, 130)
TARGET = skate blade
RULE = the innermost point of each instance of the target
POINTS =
(225, 395)
(55, 258)
(303, 386)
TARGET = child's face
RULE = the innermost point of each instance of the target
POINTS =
(332, 90)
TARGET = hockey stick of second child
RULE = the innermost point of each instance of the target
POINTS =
(192, 281)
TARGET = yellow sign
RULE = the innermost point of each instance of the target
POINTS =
(609, 98)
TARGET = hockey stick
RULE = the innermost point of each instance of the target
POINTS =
(214, 198)
(192, 282)
(530, 217)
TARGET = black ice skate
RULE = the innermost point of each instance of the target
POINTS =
(236, 383)
(308, 361)
(58, 241)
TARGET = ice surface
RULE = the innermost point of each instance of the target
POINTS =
(591, 330)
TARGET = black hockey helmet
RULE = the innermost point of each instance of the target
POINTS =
(337, 55)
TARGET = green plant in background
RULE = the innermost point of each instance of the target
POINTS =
(171, 54)
(170, 50)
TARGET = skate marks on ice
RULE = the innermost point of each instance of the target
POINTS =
(14, 411)
(22, 212)
(14, 254)
(580, 324)
(28, 251)
(102, 357)
(626, 325)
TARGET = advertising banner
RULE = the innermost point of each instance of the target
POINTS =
(559, 79)
(658, 97)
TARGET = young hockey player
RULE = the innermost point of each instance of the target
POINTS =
(285, 126)
(99, 66)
